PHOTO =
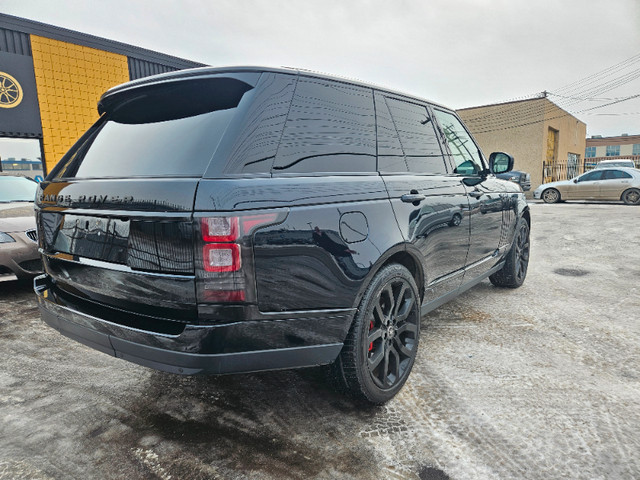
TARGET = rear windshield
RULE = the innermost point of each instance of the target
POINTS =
(162, 130)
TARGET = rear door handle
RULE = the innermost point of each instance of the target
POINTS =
(412, 197)
(475, 193)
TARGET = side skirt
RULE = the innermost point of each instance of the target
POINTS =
(432, 305)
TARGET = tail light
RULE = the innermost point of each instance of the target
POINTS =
(221, 257)
(220, 229)
(225, 268)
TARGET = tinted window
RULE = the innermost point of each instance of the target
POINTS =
(390, 154)
(417, 136)
(464, 152)
(414, 127)
(613, 174)
(330, 128)
(591, 176)
(161, 130)
(252, 139)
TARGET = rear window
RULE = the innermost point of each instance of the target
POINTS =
(162, 130)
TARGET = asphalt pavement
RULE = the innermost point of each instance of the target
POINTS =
(537, 382)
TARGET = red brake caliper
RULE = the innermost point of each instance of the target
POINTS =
(371, 328)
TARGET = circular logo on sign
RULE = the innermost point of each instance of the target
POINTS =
(10, 91)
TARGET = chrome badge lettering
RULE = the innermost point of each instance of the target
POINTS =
(66, 200)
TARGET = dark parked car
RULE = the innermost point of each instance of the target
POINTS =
(19, 257)
(521, 178)
(234, 220)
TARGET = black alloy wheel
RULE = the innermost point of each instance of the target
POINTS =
(381, 346)
(516, 264)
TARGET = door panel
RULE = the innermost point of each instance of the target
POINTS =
(585, 190)
(437, 226)
(587, 186)
(486, 194)
(614, 182)
(488, 205)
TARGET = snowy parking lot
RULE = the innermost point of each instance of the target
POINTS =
(538, 382)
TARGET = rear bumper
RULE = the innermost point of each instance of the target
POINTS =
(200, 348)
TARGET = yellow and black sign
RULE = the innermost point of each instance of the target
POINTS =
(10, 91)
(19, 109)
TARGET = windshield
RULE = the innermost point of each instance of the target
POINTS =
(17, 189)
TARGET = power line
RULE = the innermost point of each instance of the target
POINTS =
(611, 103)
(505, 116)
(513, 122)
(603, 73)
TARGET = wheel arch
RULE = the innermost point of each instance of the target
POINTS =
(627, 191)
(526, 214)
(552, 188)
(401, 255)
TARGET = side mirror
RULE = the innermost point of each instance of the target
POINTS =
(575, 180)
(500, 162)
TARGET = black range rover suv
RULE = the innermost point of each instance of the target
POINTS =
(234, 220)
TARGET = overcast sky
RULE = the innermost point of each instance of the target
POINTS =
(460, 53)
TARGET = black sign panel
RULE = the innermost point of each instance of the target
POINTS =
(19, 111)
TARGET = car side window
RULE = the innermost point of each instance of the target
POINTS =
(390, 154)
(417, 136)
(465, 154)
(615, 174)
(253, 138)
(407, 139)
(330, 128)
(591, 176)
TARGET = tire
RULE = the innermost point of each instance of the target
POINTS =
(551, 195)
(514, 272)
(382, 343)
(631, 196)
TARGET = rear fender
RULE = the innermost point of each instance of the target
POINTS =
(402, 254)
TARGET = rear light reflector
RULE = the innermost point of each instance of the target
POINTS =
(229, 296)
(221, 257)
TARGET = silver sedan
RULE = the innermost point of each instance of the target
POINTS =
(19, 257)
(615, 184)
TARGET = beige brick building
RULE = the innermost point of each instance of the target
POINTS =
(625, 147)
(545, 140)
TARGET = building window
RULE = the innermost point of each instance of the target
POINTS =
(590, 152)
(573, 160)
(636, 149)
(613, 150)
